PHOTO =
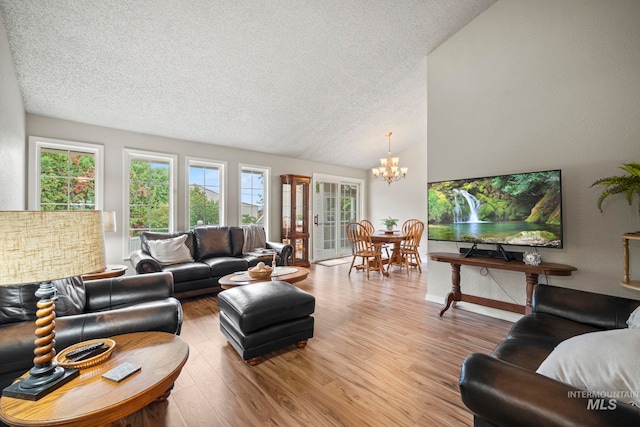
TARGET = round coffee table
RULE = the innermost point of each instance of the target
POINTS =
(288, 274)
(91, 400)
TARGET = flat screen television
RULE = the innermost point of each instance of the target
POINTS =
(523, 209)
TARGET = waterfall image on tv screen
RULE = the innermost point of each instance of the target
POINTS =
(518, 209)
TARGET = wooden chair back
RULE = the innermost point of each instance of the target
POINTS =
(408, 223)
(413, 231)
(368, 225)
(359, 239)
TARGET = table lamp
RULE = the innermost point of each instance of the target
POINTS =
(38, 247)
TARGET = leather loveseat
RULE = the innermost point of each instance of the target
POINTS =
(213, 252)
(503, 389)
(108, 307)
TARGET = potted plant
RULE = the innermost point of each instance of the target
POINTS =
(390, 223)
(628, 184)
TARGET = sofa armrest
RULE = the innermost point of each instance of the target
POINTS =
(144, 263)
(508, 395)
(104, 294)
(284, 250)
(602, 311)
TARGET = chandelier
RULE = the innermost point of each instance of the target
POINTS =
(389, 170)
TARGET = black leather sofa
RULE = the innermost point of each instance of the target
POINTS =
(110, 307)
(216, 251)
(503, 389)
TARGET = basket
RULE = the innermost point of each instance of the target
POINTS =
(260, 274)
(62, 360)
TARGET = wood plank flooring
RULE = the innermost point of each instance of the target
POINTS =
(380, 356)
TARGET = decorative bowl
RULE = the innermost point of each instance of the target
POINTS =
(264, 273)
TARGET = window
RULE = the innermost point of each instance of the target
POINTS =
(65, 175)
(150, 179)
(254, 195)
(205, 198)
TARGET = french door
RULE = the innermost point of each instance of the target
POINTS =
(337, 201)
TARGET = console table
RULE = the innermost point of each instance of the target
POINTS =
(531, 273)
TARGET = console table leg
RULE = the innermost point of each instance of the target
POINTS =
(455, 294)
(532, 281)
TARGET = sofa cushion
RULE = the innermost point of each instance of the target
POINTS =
(18, 303)
(221, 266)
(188, 272)
(170, 251)
(605, 361)
(212, 242)
(237, 240)
(548, 328)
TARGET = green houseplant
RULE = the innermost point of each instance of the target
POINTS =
(390, 222)
(627, 184)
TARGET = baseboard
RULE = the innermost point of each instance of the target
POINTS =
(475, 308)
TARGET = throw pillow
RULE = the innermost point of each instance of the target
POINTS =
(634, 319)
(170, 251)
(606, 362)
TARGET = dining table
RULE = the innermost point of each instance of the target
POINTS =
(394, 237)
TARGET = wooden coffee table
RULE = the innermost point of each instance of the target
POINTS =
(91, 400)
(292, 275)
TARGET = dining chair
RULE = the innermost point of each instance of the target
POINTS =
(372, 229)
(362, 247)
(410, 255)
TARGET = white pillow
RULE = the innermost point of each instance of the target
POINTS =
(170, 251)
(606, 362)
(634, 319)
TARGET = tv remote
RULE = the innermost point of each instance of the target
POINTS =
(82, 350)
(91, 353)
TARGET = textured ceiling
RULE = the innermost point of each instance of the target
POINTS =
(321, 80)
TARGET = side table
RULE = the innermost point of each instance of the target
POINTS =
(91, 400)
(110, 271)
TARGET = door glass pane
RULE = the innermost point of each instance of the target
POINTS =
(335, 205)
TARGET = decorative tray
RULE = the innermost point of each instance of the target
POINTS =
(61, 358)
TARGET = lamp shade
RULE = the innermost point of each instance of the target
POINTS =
(40, 246)
(109, 221)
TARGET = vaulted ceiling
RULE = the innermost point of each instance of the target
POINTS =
(321, 80)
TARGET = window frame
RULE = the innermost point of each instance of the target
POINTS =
(266, 170)
(222, 166)
(36, 144)
(130, 154)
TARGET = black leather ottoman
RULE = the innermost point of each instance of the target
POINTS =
(263, 317)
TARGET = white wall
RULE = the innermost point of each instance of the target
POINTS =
(12, 132)
(533, 85)
(115, 141)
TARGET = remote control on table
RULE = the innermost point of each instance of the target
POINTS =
(91, 353)
(82, 350)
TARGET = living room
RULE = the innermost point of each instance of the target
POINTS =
(524, 86)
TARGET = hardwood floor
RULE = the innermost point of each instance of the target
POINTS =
(380, 356)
